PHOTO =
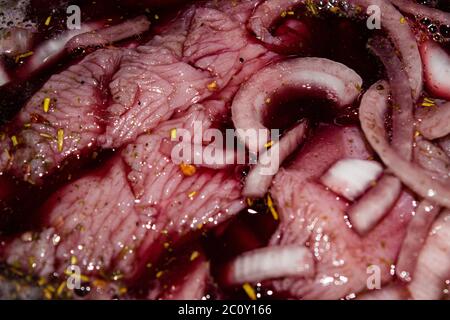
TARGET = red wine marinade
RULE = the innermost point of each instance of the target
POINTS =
(336, 38)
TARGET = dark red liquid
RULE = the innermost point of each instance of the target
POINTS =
(338, 39)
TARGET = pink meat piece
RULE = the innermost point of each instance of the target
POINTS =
(313, 216)
(151, 84)
(78, 98)
(157, 81)
(113, 96)
(127, 213)
(219, 44)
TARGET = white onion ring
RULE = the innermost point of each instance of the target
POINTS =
(436, 63)
(51, 50)
(271, 263)
(265, 15)
(375, 204)
(350, 178)
(432, 158)
(372, 115)
(402, 113)
(111, 34)
(436, 123)
(340, 83)
(416, 235)
(433, 267)
(391, 19)
(258, 182)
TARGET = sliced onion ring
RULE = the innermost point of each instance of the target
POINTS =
(436, 63)
(264, 17)
(391, 20)
(271, 263)
(375, 204)
(340, 83)
(109, 35)
(433, 267)
(372, 116)
(433, 159)
(351, 177)
(260, 177)
(402, 113)
(49, 51)
(416, 235)
(436, 124)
